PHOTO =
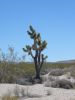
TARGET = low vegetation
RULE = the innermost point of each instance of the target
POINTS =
(10, 72)
(60, 84)
(9, 98)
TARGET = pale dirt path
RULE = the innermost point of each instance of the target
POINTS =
(39, 90)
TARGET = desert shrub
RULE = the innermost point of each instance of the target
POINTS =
(57, 72)
(52, 78)
(24, 81)
(13, 67)
(73, 74)
(9, 98)
(7, 79)
(62, 84)
(70, 69)
(10, 72)
(48, 67)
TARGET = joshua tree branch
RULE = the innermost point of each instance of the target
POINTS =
(39, 58)
(43, 59)
(31, 55)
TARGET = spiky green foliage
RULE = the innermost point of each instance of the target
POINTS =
(38, 43)
(38, 46)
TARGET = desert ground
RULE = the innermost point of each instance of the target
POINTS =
(42, 91)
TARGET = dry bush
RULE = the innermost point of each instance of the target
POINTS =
(9, 98)
(60, 84)
(63, 84)
(57, 72)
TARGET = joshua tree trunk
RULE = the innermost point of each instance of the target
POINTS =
(38, 61)
(37, 74)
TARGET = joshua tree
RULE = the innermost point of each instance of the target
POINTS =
(36, 50)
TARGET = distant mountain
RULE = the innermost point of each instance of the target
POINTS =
(66, 61)
(63, 61)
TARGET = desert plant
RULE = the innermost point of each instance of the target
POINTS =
(57, 72)
(37, 47)
(60, 84)
(64, 84)
(12, 55)
(9, 98)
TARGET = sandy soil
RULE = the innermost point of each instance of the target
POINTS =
(38, 92)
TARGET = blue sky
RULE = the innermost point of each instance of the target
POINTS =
(54, 19)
